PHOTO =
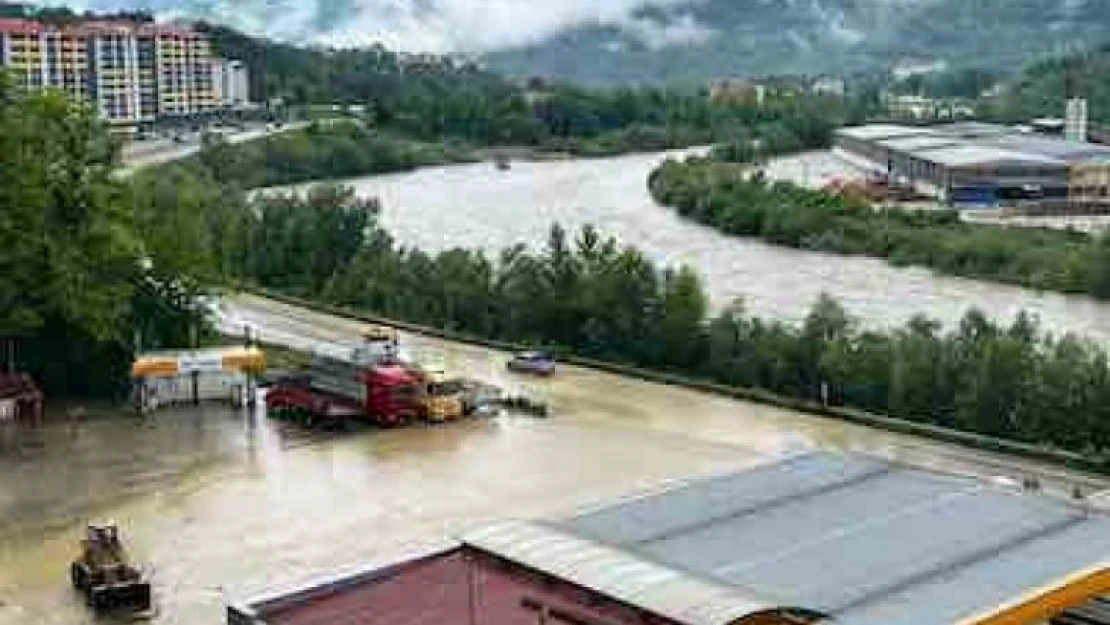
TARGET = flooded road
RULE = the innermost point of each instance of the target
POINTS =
(477, 206)
(223, 504)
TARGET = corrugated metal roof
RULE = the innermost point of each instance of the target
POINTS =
(972, 130)
(918, 142)
(874, 132)
(857, 538)
(1050, 147)
(619, 574)
(967, 155)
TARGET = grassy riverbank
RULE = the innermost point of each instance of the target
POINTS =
(725, 197)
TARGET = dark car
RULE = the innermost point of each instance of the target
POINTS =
(537, 363)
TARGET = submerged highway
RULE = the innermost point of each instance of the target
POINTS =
(222, 504)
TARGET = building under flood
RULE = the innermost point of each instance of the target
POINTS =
(849, 540)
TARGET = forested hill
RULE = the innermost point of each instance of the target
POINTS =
(317, 75)
(698, 40)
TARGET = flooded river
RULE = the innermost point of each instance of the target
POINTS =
(222, 504)
(479, 206)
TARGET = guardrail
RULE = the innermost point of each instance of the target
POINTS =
(892, 424)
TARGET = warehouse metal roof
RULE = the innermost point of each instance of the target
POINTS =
(918, 142)
(1051, 147)
(861, 540)
(624, 576)
(973, 130)
(874, 132)
(971, 155)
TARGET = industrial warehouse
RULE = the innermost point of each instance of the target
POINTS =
(839, 539)
(973, 164)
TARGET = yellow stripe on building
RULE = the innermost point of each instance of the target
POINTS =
(1050, 601)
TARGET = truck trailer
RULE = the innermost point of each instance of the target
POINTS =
(365, 385)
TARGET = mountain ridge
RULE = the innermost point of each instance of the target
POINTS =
(670, 41)
(766, 37)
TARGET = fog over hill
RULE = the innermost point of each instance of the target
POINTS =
(603, 41)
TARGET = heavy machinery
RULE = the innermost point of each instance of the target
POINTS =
(105, 575)
(367, 383)
(443, 395)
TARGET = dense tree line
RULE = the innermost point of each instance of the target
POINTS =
(79, 286)
(433, 98)
(738, 202)
(1041, 89)
(339, 148)
(587, 294)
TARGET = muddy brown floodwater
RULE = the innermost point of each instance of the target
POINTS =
(222, 504)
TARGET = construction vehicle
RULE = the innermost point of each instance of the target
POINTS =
(443, 394)
(104, 574)
(367, 383)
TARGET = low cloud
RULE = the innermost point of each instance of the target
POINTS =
(682, 30)
(469, 26)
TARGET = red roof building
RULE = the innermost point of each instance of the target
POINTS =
(811, 539)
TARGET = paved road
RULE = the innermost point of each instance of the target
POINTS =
(140, 155)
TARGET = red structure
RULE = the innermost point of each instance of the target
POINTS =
(809, 539)
(463, 586)
(20, 398)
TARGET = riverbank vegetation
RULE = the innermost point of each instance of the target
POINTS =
(443, 101)
(321, 151)
(731, 199)
(95, 262)
(588, 295)
(581, 123)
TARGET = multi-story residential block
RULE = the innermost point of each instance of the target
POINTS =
(131, 72)
(232, 83)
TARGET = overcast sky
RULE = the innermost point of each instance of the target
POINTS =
(418, 25)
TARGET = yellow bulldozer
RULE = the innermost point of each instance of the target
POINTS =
(104, 573)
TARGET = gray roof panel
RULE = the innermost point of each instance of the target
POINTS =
(733, 546)
(968, 155)
(920, 142)
(874, 132)
(878, 555)
(1015, 573)
(619, 574)
(1050, 147)
(678, 510)
(866, 541)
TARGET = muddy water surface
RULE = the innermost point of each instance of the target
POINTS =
(223, 504)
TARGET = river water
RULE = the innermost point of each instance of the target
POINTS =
(477, 206)
(223, 504)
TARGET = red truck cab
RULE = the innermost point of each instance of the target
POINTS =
(335, 390)
(393, 395)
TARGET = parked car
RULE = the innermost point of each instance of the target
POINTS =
(535, 362)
